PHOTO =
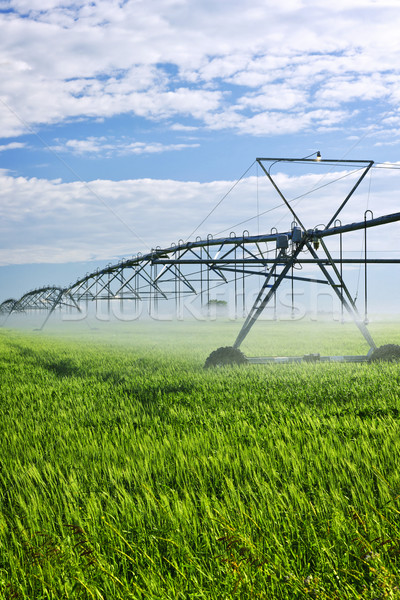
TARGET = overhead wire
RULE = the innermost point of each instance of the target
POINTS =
(393, 166)
(220, 201)
(290, 201)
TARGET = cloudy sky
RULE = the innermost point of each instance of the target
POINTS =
(123, 123)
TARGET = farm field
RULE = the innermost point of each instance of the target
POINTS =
(127, 471)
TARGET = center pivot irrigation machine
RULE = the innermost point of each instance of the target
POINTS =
(196, 267)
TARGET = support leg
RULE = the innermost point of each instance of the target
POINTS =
(261, 303)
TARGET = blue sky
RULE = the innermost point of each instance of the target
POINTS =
(122, 123)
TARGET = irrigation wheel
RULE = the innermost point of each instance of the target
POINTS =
(226, 355)
(388, 353)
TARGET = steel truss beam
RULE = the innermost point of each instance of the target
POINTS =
(46, 298)
(196, 267)
(7, 306)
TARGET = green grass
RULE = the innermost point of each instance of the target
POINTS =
(128, 471)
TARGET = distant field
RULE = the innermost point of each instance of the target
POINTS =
(129, 471)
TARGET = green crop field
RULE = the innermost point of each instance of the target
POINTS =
(128, 471)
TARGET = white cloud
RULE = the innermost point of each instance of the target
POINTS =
(185, 128)
(352, 88)
(12, 146)
(225, 62)
(275, 96)
(101, 146)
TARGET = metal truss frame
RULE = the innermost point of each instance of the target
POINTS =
(46, 298)
(197, 267)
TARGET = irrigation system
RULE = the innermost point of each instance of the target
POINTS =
(197, 267)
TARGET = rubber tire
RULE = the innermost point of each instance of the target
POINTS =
(387, 353)
(225, 356)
